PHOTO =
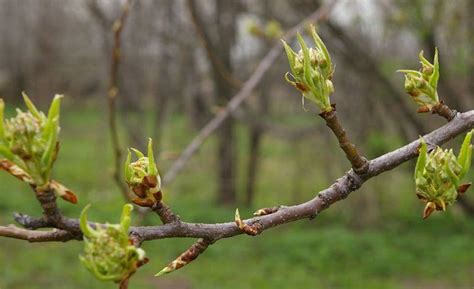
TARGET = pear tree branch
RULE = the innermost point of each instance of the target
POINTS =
(339, 190)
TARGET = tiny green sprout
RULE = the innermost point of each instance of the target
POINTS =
(30, 139)
(312, 71)
(108, 253)
(438, 175)
(422, 85)
(143, 178)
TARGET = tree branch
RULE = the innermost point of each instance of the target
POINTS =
(55, 235)
(112, 92)
(310, 209)
(359, 163)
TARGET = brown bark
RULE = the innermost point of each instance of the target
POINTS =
(359, 163)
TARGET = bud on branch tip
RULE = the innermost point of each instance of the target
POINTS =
(422, 85)
(311, 70)
(143, 178)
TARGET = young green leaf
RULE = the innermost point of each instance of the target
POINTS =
(31, 107)
(55, 107)
(152, 169)
(423, 60)
(420, 163)
(465, 154)
(306, 62)
(319, 43)
(452, 175)
(85, 227)
(125, 218)
(291, 55)
(48, 156)
(138, 153)
(435, 76)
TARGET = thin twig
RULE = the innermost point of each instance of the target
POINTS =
(243, 94)
(359, 163)
(112, 93)
(55, 235)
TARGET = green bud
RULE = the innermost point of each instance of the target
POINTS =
(30, 139)
(438, 175)
(311, 70)
(108, 253)
(142, 177)
(422, 85)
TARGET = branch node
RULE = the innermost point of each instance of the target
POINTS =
(252, 229)
(443, 110)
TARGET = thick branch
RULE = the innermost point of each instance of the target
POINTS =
(338, 191)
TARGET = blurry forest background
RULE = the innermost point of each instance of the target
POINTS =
(269, 152)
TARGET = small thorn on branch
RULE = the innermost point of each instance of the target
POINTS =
(251, 230)
(187, 257)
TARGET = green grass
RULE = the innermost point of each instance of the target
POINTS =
(375, 239)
